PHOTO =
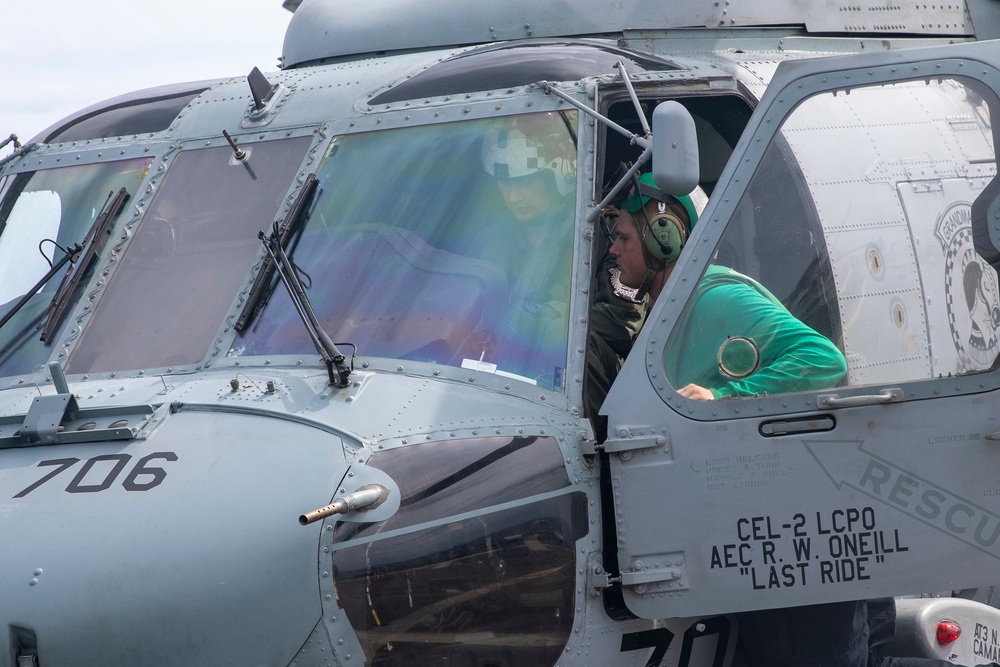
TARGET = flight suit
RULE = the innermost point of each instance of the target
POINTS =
(615, 320)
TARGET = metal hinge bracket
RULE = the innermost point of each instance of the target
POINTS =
(657, 574)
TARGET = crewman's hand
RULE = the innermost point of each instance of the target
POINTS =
(696, 393)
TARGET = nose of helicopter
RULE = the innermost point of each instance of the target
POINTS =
(184, 545)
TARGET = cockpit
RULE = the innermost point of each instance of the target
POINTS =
(410, 248)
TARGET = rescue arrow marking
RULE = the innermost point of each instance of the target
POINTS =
(915, 496)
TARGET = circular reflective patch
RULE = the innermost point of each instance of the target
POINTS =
(738, 357)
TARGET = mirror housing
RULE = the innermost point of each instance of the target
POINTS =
(675, 149)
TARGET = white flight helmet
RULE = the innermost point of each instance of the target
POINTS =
(509, 153)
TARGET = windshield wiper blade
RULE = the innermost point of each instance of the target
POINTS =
(293, 221)
(332, 357)
(94, 243)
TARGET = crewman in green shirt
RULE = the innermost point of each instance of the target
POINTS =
(770, 350)
(734, 338)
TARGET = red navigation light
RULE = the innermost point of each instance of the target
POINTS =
(947, 632)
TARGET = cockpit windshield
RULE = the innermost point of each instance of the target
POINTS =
(450, 244)
(42, 215)
(182, 269)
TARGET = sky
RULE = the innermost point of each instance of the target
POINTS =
(59, 56)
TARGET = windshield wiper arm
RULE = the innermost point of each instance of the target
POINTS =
(262, 286)
(94, 242)
(71, 254)
(332, 357)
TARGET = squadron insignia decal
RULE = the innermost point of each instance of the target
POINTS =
(971, 291)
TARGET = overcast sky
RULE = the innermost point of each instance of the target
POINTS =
(58, 56)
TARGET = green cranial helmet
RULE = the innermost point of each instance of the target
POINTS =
(664, 232)
(636, 200)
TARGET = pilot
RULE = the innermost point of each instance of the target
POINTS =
(532, 161)
(735, 339)
(536, 177)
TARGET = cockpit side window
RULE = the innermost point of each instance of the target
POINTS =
(193, 248)
(35, 215)
(459, 583)
(43, 215)
(857, 223)
(449, 244)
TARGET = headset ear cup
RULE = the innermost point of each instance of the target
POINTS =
(667, 237)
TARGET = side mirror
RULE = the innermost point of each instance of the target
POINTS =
(675, 149)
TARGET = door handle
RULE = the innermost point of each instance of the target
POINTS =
(834, 401)
(819, 424)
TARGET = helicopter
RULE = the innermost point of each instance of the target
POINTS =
(288, 375)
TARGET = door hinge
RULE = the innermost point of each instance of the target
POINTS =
(618, 445)
(657, 574)
(598, 579)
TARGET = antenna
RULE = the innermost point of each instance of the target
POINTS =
(260, 88)
(238, 152)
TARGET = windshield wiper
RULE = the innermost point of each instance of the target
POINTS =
(94, 243)
(262, 285)
(332, 357)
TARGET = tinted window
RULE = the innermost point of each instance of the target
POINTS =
(493, 588)
(492, 68)
(421, 248)
(142, 116)
(193, 248)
